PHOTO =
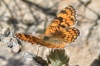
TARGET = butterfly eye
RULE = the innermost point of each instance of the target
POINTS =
(46, 38)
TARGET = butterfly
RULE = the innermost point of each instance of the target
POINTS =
(59, 33)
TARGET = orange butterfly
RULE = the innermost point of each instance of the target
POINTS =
(59, 33)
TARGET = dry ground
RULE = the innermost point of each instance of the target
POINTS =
(33, 16)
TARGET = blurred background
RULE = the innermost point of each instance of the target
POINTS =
(33, 16)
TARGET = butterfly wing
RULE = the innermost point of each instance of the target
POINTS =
(63, 36)
(67, 35)
(35, 40)
(64, 19)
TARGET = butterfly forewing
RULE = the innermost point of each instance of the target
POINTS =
(66, 18)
